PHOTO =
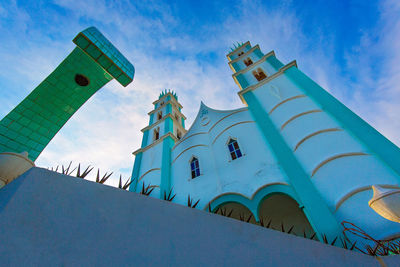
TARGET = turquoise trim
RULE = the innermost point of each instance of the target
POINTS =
(165, 184)
(376, 142)
(242, 81)
(183, 122)
(169, 125)
(151, 118)
(254, 204)
(168, 109)
(236, 66)
(274, 62)
(145, 138)
(168, 98)
(319, 215)
(135, 172)
(258, 53)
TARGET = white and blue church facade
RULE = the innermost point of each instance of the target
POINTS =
(293, 154)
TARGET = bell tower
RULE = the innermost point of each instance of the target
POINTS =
(152, 167)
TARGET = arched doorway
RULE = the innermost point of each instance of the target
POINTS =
(237, 211)
(281, 209)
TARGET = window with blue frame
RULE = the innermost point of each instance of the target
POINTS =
(194, 166)
(234, 149)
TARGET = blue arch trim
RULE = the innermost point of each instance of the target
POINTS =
(256, 199)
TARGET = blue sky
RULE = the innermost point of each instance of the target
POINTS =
(351, 48)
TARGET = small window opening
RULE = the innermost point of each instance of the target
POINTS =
(178, 134)
(248, 61)
(159, 115)
(234, 149)
(259, 74)
(177, 117)
(156, 134)
(241, 53)
(162, 104)
(194, 166)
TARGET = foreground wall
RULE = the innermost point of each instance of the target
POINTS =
(49, 219)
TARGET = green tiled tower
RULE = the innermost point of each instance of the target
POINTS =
(35, 121)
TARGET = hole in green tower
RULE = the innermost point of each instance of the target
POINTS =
(81, 80)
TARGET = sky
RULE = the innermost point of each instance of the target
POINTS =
(350, 48)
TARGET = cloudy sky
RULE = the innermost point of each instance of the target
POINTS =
(351, 48)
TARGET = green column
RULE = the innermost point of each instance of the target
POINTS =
(32, 124)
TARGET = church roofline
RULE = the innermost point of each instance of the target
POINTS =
(164, 96)
(238, 48)
(198, 116)
(168, 102)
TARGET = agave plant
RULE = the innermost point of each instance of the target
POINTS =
(190, 203)
(243, 219)
(104, 178)
(84, 173)
(126, 185)
(169, 197)
(147, 190)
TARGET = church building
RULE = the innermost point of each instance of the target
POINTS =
(293, 154)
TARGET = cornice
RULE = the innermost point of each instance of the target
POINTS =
(168, 102)
(172, 98)
(271, 53)
(238, 49)
(169, 134)
(266, 80)
(169, 115)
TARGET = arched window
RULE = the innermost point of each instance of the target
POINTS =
(177, 117)
(195, 168)
(178, 134)
(248, 61)
(159, 115)
(156, 134)
(259, 74)
(234, 149)
(241, 53)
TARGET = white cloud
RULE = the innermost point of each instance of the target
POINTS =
(106, 130)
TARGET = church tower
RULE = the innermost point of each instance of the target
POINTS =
(329, 154)
(152, 167)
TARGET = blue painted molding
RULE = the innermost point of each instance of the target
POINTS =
(165, 185)
(321, 218)
(168, 108)
(135, 172)
(242, 81)
(255, 202)
(376, 142)
(151, 118)
(183, 122)
(258, 53)
(169, 125)
(274, 62)
(145, 138)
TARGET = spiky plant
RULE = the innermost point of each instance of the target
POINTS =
(190, 203)
(104, 178)
(243, 219)
(84, 173)
(126, 185)
(169, 197)
(147, 190)
(268, 225)
(66, 171)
